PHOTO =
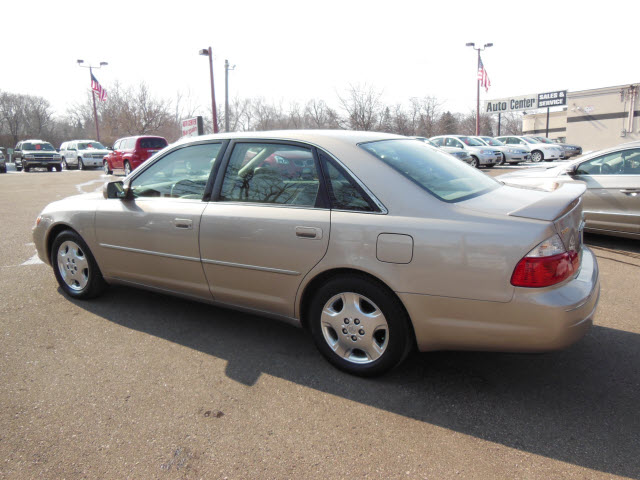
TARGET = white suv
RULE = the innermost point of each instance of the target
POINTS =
(82, 153)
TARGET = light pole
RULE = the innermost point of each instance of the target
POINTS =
(226, 94)
(207, 52)
(93, 94)
(473, 45)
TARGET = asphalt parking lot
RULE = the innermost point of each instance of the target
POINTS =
(139, 385)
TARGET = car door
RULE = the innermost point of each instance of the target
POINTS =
(612, 200)
(266, 227)
(151, 237)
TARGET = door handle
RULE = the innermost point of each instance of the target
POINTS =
(312, 233)
(630, 191)
(183, 223)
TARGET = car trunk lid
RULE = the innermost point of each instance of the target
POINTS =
(562, 207)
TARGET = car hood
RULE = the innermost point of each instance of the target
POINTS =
(94, 151)
(46, 152)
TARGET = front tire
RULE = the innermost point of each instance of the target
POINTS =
(25, 167)
(537, 156)
(105, 166)
(501, 161)
(474, 162)
(80, 164)
(127, 168)
(75, 267)
(64, 164)
(359, 326)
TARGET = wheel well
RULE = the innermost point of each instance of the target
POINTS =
(53, 233)
(313, 285)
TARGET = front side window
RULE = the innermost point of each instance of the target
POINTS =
(344, 193)
(438, 173)
(182, 173)
(271, 173)
(625, 162)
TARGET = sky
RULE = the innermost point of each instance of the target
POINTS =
(296, 51)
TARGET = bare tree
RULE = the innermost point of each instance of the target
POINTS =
(319, 115)
(362, 106)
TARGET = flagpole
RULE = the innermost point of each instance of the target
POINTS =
(477, 98)
(473, 45)
(95, 110)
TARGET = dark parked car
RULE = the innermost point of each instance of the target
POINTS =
(30, 154)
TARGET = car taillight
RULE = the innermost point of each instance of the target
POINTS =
(547, 264)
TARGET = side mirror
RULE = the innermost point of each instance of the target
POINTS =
(114, 190)
(571, 171)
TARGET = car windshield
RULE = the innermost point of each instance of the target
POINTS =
(492, 141)
(438, 173)
(530, 140)
(472, 142)
(45, 146)
(91, 146)
(153, 143)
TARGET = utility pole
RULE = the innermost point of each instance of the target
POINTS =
(226, 94)
(473, 45)
(93, 94)
(208, 52)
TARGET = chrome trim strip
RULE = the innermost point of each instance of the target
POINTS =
(250, 267)
(150, 252)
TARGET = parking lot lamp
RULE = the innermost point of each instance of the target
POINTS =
(226, 93)
(207, 52)
(473, 45)
(93, 93)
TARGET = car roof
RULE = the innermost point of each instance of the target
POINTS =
(352, 137)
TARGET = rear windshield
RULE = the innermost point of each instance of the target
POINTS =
(153, 143)
(544, 140)
(90, 145)
(438, 173)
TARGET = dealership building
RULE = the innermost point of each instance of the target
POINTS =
(593, 119)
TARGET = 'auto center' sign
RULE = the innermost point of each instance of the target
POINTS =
(526, 102)
(192, 127)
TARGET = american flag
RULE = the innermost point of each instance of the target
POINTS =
(483, 76)
(96, 87)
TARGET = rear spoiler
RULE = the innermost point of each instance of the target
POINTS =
(555, 204)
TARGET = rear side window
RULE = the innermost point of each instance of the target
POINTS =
(271, 173)
(152, 143)
(440, 174)
(344, 193)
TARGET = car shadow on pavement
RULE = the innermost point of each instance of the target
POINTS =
(579, 406)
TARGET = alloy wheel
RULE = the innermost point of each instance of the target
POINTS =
(354, 328)
(73, 265)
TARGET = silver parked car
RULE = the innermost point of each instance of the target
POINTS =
(459, 153)
(376, 243)
(481, 155)
(612, 176)
(568, 150)
(510, 154)
(539, 150)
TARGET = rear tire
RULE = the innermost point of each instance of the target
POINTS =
(360, 326)
(75, 268)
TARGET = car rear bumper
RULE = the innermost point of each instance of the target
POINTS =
(535, 320)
